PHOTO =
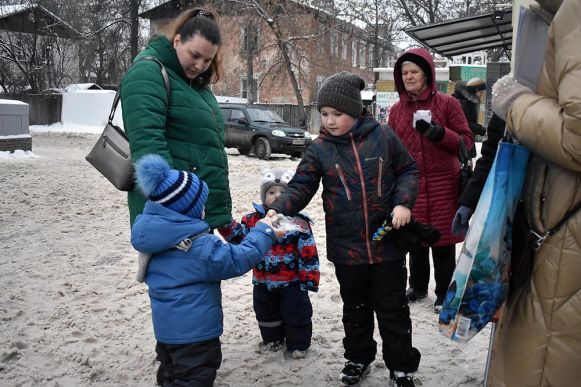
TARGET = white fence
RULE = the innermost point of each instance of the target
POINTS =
(89, 107)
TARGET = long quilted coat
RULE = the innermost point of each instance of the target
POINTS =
(538, 341)
(189, 135)
(437, 163)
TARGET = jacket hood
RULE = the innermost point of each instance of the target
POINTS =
(415, 54)
(159, 228)
(259, 208)
(364, 125)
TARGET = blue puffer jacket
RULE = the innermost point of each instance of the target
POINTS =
(184, 286)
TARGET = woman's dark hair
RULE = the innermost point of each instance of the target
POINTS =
(203, 23)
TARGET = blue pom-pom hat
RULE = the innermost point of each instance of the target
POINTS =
(180, 191)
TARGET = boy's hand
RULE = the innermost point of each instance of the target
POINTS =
(401, 216)
(271, 213)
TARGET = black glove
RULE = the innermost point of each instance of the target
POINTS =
(433, 131)
(412, 235)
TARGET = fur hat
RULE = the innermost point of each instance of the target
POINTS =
(273, 177)
(342, 91)
(180, 191)
(475, 84)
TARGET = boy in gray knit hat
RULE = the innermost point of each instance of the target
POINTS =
(342, 91)
(368, 177)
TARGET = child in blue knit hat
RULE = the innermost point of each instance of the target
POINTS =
(288, 271)
(184, 272)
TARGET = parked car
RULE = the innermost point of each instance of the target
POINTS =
(260, 130)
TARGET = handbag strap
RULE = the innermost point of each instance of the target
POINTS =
(165, 81)
(541, 238)
(463, 153)
(465, 159)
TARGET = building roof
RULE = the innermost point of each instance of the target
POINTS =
(18, 18)
(169, 9)
(469, 34)
(73, 87)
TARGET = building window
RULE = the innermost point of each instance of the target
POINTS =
(244, 87)
(344, 47)
(354, 53)
(334, 44)
(362, 54)
(319, 81)
(383, 57)
(248, 38)
(322, 44)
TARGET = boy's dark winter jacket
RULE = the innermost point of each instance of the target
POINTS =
(184, 284)
(365, 173)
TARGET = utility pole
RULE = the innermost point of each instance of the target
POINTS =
(250, 51)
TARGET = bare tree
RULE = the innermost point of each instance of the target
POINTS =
(378, 19)
(290, 40)
(35, 53)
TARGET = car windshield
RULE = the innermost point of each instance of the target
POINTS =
(263, 115)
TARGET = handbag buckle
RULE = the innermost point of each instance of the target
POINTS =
(539, 240)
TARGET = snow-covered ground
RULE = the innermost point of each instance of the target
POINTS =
(72, 314)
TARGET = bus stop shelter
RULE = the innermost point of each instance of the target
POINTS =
(461, 36)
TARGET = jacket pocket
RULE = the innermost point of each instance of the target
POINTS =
(343, 181)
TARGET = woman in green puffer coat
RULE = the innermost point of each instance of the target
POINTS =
(187, 130)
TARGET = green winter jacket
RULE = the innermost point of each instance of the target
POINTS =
(190, 135)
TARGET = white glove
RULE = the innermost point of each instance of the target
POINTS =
(504, 92)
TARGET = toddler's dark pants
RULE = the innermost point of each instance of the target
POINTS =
(378, 288)
(284, 313)
(444, 258)
(188, 365)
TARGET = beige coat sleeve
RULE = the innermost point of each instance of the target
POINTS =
(549, 123)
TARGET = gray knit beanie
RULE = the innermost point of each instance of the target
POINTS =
(342, 91)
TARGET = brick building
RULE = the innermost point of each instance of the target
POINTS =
(317, 42)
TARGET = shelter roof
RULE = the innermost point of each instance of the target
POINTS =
(468, 34)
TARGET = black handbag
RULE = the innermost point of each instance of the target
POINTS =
(111, 155)
(466, 170)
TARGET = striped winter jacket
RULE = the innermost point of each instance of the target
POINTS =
(292, 257)
(365, 173)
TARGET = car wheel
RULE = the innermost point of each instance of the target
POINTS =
(244, 150)
(262, 148)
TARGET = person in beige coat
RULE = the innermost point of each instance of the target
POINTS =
(538, 340)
